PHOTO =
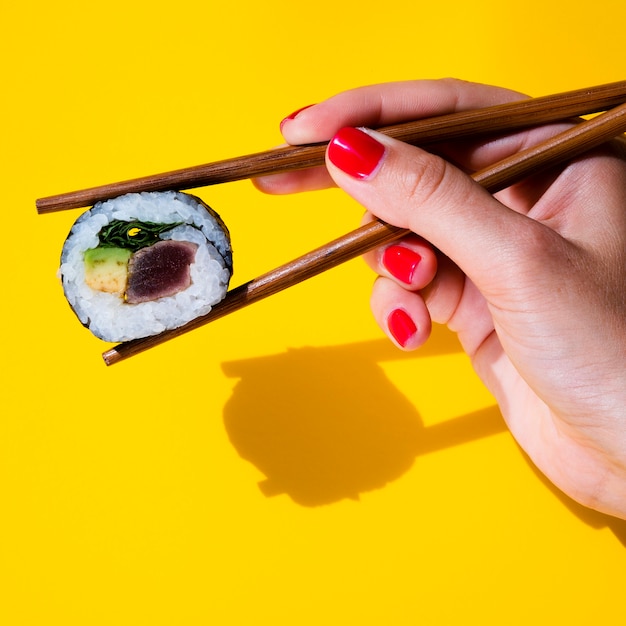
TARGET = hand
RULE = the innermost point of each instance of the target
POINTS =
(532, 279)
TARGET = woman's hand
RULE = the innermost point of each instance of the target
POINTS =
(533, 280)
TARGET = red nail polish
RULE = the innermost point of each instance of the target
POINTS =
(401, 262)
(355, 152)
(292, 116)
(401, 326)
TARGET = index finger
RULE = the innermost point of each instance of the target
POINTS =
(375, 106)
(390, 103)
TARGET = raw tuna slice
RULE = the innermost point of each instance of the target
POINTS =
(159, 270)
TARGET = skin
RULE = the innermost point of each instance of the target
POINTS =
(532, 279)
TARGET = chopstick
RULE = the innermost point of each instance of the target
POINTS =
(558, 149)
(503, 117)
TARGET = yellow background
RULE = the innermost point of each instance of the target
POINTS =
(284, 465)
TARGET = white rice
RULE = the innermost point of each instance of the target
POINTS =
(106, 315)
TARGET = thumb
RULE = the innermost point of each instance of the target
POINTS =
(410, 188)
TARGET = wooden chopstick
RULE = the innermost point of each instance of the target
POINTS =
(503, 117)
(558, 149)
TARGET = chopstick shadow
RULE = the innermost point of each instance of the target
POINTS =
(326, 424)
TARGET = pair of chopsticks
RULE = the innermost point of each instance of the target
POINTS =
(562, 147)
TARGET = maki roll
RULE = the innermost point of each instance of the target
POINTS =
(143, 263)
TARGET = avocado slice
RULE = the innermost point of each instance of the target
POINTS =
(106, 269)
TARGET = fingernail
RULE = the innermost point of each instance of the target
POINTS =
(355, 152)
(401, 262)
(401, 326)
(292, 116)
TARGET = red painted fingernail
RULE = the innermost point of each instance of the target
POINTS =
(401, 262)
(292, 116)
(401, 326)
(355, 152)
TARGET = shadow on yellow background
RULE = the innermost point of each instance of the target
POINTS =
(307, 421)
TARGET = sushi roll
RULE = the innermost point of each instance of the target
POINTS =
(143, 263)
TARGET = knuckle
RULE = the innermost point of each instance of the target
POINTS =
(428, 181)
